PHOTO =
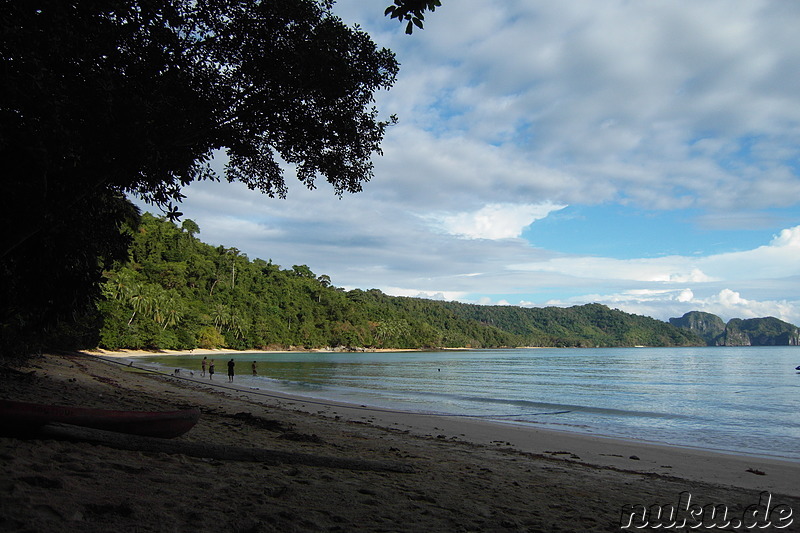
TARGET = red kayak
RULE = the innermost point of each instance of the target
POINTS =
(164, 424)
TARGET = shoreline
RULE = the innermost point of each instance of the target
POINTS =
(603, 451)
(99, 352)
(464, 474)
(633, 441)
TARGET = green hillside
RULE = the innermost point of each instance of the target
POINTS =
(176, 292)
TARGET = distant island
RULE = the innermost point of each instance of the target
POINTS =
(768, 331)
(176, 292)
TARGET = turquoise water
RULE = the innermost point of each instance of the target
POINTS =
(743, 400)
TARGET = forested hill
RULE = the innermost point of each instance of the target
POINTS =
(767, 331)
(176, 292)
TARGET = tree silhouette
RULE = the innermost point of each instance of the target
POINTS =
(412, 11)
(103, 98)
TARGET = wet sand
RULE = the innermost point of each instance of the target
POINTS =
(462, 474)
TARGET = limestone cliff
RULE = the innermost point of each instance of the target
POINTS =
(768, 331)
(708, 326)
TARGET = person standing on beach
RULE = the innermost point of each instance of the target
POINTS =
(203, 366)
(230, 371)
(253, 366)
(211, 370)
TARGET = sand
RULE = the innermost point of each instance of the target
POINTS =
(462, 474)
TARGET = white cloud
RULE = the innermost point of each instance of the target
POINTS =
(510, 110)
(674, 269)
(216, 228)
(729, 304)
(603, 94)
(787, 238)
(729, 298)
(630, 297)
(415, 293)
(779, 259)
(665, 304)
(367, 243)
(494, 221)
(694, 276)
(686, 295)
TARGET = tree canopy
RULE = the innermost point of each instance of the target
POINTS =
(411, 11)
(103, 98)
(176, 292)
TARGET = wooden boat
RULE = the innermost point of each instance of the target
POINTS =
(23, 416)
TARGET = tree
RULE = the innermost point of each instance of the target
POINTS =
(303, 271)
(103, 98)
(151, 89)
(412, 11)
(144, 308)
(190, 227)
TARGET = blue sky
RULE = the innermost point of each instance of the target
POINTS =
(643, 155)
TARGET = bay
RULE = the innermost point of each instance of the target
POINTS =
(734, 399)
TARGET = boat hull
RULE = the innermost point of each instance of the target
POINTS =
(24, 416)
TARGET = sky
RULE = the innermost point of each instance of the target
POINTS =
(642, 155)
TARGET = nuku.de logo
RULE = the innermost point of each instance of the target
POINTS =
(686, 514)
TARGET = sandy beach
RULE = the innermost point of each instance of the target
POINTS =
(339, 467)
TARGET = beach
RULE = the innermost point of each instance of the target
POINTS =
(344, 467)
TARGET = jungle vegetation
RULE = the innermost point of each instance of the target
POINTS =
(101, 100)
(176, 292)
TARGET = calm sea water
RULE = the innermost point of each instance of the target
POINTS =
(733, 399)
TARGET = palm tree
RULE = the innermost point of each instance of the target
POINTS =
(171, 309)
(141, 299)
(222, 316)
(120, 286)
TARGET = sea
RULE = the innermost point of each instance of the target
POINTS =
(731, 399)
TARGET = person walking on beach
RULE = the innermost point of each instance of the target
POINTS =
(203, 364)
(253, 366)
(230, 371)
(211, 370)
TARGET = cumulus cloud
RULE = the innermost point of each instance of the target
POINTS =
(364, 242)
(665, 304)
(670, 286)
(413, 293)
(778, 259)
(673, 269)
(729, 304)
(511, 110)
(604, 94)
(686, 295)
(787, 238)
(494, 221)
(424, 171)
